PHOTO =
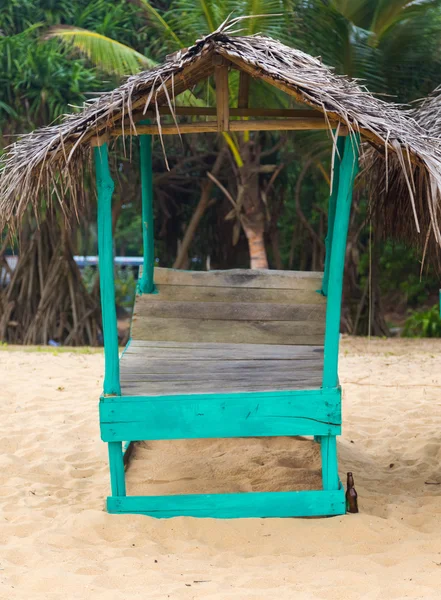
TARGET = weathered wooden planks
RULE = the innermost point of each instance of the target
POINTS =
(229, 311)
(266, 279)
(237, 306)
(186, 416)
(172, 368)
(229, 506)
(189, 293)
(218, 350)
(232, 332)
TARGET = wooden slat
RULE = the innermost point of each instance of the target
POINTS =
(245, 311)
(191, 293)
(161, 350)
(157, 389)
(171, 368)
(266, 279)
(178, 373)
(229, 506)
(296, 124)
(268, 350)
(233, 332)
(221, 415)
(138, 364)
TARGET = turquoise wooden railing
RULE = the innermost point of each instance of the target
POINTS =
(331, 210)
(348, 172)
(146, 284)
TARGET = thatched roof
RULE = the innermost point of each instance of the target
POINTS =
(49, 162)
(427, 113)
(389, 184)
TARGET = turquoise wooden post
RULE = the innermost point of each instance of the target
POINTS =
(146, 285)
(116, 465)
(105, 187)
(348, 171)
(331, 211)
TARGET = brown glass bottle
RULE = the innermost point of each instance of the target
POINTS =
(351, 495)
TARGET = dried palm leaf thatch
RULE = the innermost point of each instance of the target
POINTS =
(390, 193)
(48, 162)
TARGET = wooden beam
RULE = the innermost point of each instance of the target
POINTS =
(221, 415)
(311, 503)
(211, 111)
(222, 96)
(302, 124)
(99, 140)
(280, 124)
(244, 88)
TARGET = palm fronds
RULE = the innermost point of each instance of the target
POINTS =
(112, 56)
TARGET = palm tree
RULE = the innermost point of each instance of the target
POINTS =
(394, 45)
(391, 44)
(179, 27)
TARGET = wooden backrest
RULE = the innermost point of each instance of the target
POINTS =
(237, 306)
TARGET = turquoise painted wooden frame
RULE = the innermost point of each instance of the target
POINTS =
(348, 171)
(105, 187)
(338, 154)
(300, 412)
(247, 414)
(315, 503)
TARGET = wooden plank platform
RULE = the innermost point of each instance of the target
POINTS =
(167, 368)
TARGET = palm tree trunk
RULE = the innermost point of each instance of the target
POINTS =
(253, 219)
(256, 245)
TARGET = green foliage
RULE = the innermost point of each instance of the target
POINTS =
(37, 84)
(394, 45)
(110, 55)
(125, 284)
(426, 323)
(125, 287)
(89, 275)
(400, 271)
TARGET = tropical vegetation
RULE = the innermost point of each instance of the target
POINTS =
(55, 54)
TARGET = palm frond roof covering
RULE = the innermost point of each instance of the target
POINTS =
(49, 163)
(427, 113)
(402, 196)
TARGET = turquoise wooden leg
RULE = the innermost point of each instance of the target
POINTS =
(116, 464)
(328, 448)
(105, 188)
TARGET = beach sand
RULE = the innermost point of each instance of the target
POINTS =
(56, 541)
